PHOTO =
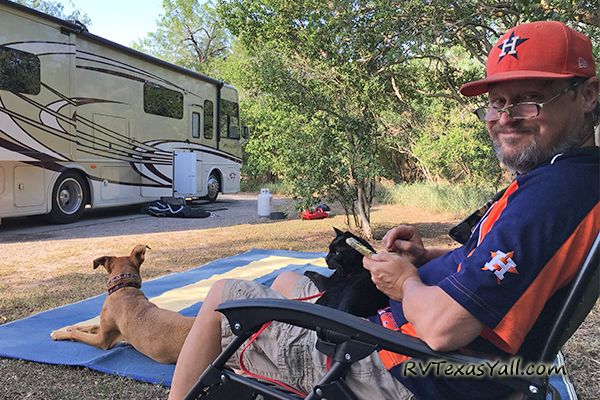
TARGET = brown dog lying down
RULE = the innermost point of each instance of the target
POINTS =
(127, 315)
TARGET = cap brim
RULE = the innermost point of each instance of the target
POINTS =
(481, 86)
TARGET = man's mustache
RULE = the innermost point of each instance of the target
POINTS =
(496, 130)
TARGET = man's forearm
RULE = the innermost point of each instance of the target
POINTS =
(438, 319)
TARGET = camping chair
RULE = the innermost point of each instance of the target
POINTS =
(347, 339)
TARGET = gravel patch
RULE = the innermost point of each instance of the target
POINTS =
(228, 210)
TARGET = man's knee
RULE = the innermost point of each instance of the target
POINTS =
(215, 293)
(285, 282)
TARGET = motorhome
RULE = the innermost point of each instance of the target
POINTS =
(86, 122)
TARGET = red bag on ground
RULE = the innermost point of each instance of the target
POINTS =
(317, 214)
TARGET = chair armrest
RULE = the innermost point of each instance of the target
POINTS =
(250, 315)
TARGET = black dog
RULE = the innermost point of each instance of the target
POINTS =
(350, 288)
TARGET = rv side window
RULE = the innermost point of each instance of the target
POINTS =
(208, 119)
(162, 101)
(195, 125)
(19, 71)
(230, 125)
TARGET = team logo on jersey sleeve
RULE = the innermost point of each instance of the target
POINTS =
(500, 264)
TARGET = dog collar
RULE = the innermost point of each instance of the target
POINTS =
(123, 280)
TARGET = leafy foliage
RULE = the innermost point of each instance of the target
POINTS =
(310, 59)
(57, 9)
(453, 146)
(188, 34)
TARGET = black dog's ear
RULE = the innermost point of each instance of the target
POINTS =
(104, 261)
(337, 231)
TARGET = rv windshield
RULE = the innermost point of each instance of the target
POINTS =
(230, 119)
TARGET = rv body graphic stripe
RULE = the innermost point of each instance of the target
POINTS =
(26, 151)
(138, 71)
(201, 148)
(13, 117)
(127, 154)
(152, 168)
(41, 48)
(38, 41)
(118, 155)
(114, 63)
(156, 156)
(124, 155)
(80, 141)
(129, 66)
(110, 72)
(45, 165)
(119, 137)
(118, 63)
(135, 167)
(54, 53)
(95, 178)
(52, 131)
(227, 156)
(116, 136)
(114, 66)
(59, 94)
(45, 108)
(45, 161)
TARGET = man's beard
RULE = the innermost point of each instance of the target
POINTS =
(532, 153)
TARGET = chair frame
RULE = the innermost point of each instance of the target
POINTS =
(346, 339)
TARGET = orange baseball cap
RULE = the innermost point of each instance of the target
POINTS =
(544, 49)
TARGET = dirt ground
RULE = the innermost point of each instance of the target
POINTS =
(44, 267)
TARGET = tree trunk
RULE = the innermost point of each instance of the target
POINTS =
(362, 208)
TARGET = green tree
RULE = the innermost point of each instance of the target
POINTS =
(188, 34)
(320, 61)
(57, 9)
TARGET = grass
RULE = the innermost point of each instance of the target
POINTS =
(249, 185)
(460, 199)
(41, 273)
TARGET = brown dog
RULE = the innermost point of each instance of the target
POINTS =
(127, 315)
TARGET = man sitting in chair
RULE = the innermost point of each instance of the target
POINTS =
(489, 295)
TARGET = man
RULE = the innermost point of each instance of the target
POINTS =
(493, 293)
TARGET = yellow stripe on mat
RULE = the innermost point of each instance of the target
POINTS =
(185, 296)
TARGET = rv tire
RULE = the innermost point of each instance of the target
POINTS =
(214, 187)
(69, 197)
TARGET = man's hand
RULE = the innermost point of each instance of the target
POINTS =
(406, 241)
(389, 271)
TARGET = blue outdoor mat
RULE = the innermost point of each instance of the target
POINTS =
(29, 338)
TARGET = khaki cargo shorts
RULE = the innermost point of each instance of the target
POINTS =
(287, 353)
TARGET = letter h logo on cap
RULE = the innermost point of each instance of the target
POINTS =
(511, 43)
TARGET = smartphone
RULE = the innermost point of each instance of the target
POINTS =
(358, 246)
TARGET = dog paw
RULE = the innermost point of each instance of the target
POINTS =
(58, 335)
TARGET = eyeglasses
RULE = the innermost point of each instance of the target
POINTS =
(524, 110)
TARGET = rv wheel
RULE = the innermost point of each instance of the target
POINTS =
(214, 187)
(68, 198)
